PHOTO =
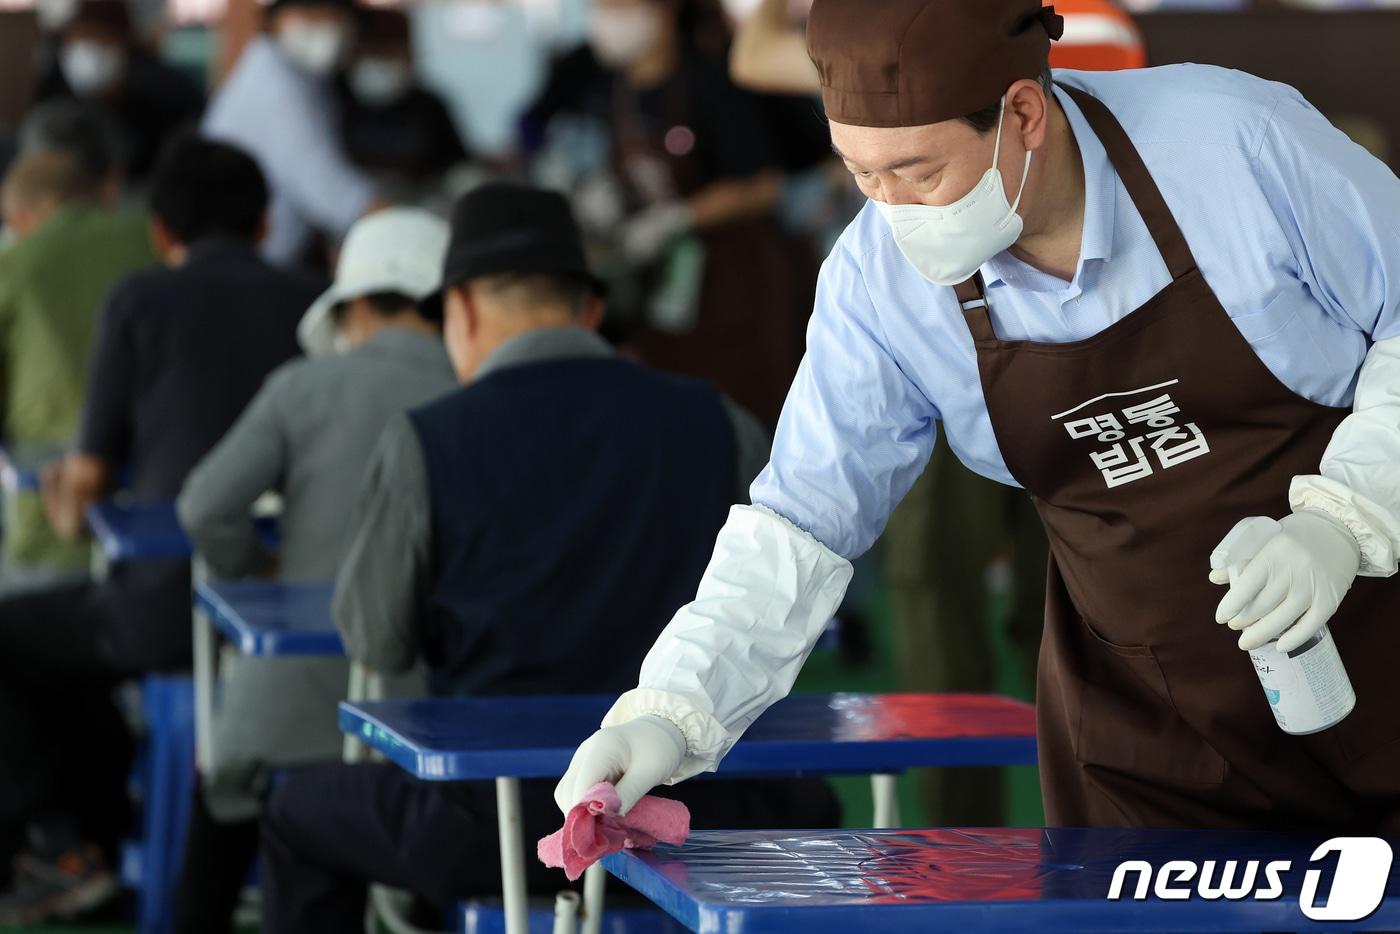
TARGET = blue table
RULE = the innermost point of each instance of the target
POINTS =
(260, 618)
(132, 530)
(1051, 881)
(510, 738)
(455, 739)
(272, 618)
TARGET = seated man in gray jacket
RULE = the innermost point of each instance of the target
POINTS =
(307, 435)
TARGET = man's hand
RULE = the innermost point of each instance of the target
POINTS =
(68, 487)
(1286, 577)
(636, 757)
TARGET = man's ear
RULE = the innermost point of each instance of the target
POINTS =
(1029, 103)
(592, 315)
(166, 244)
(471, 311)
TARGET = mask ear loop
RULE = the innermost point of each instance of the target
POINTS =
(996, 158)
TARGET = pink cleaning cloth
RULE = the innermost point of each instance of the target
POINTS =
(593, 829)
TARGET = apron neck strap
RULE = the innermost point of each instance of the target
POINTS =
(1147, 197)
(1138, 181)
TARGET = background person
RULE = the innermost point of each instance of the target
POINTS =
(307, 434)
(71, 247)
(316, 189)
(178, 353)
(392, 125)
(687, 199)
(99, 61)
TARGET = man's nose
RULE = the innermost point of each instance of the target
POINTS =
(896, 193)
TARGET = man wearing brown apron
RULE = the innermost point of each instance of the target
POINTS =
(1166, 303)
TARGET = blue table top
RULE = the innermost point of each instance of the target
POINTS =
(129, 530)
(1052, 881)
(454, 739)
(273, 618)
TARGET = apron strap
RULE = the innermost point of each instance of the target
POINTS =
(1138, 181)
(972, 296)
(1123, 155)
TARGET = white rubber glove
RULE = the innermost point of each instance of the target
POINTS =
(1286, 577)
(651, 230)
(636, 757)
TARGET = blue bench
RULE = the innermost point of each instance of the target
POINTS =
(1053, 881)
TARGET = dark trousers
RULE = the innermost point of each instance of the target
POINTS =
(330, 830)
(67, 748)
(218, 856)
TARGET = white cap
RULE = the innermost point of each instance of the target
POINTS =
(395, 250)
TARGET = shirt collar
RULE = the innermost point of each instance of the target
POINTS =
(545, 344)
(1100, 205)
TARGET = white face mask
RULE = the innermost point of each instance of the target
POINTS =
(91, 67)
(948, 244)
(378, 82)
(622, 36)
(316, 48)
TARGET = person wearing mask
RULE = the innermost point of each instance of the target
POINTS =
(477, 546)
(307, 434)
(71, 246)
(316, 188)
(689, 199)
(393, 126)
(178, 354)
(953, 523)
(98, 60)
(1163, 301)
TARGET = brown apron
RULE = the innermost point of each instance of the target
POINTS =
(1142, 447)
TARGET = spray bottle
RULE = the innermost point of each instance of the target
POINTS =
(1308, 689)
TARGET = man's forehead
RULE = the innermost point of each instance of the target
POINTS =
(891, 148)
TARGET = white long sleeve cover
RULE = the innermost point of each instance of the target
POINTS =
(766, 595)
(1360, 474)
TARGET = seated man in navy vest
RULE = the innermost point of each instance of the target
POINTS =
(529, 533)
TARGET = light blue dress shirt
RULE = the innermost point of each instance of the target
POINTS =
(1296, 228)
(287, 120)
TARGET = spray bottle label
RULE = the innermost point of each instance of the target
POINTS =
(1308, 689)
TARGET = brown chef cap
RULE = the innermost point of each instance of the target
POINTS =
(892, 63)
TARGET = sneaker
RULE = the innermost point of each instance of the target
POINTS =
(74, 883)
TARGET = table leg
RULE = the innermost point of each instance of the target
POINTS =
(885, 789)
(566, 913)
(595, 880)
(351, 749)
(512, 856)
(205, 661)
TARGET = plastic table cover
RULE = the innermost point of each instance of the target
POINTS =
(455, 739)
(968, 881)
(273, 618)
